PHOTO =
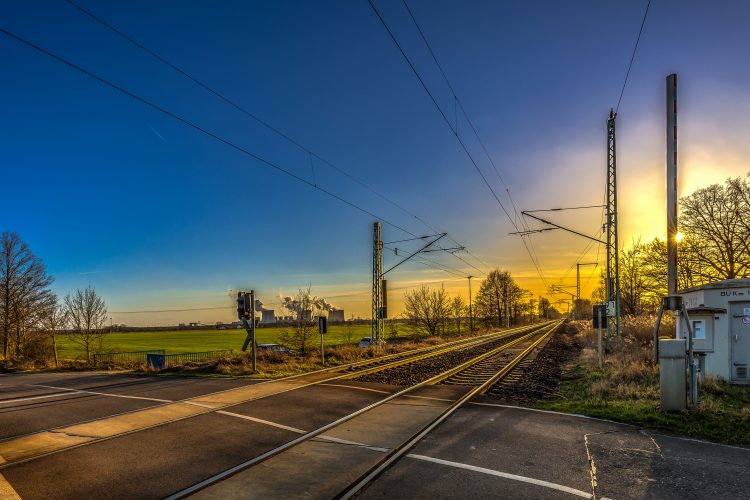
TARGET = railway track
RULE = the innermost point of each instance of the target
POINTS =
(380, 363)
(31, 446)
(478, 374)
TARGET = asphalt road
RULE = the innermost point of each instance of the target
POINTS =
(116, 443)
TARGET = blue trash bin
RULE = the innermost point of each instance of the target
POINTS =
(155, 361)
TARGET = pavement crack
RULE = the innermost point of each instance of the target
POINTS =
(592, 464)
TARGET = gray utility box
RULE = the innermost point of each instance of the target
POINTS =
(720, 316)
(672, 375)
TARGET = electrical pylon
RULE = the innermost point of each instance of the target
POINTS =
(578, 286)
(377, 277)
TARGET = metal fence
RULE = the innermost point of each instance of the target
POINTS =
(125, 357)
(162, 360)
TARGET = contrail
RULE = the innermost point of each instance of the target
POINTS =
(157, 133)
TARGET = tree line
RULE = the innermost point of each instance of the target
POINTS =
(32, 315)
(500, 301)
(714, 223)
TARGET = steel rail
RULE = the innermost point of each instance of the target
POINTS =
(397, 453)
(475, 361)
(440, 351)
(321, 430)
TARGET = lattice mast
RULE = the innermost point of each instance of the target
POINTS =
(377, 276)
(613, 255)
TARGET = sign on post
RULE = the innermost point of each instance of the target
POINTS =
(322, 328)
(600, 321)
(600, 312)
(611, 309)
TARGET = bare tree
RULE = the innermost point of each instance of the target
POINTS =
(544, 307)
(350, 330)
(427, 310)
(715, 217)
(458, 308)
(23, 290)
(87, 314)
(53, 321)
(300, 334)
(498, 296)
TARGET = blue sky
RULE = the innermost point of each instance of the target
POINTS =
(156, 216)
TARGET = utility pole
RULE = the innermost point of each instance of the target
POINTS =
(578, 285)
(672, 184)
(377, 276)
(507, 304)
(531, 309)
(613, 254)
(379, 291)
(471, 313)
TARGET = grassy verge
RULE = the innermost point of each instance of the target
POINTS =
(207, 340)
(275, 365)
(626, 389)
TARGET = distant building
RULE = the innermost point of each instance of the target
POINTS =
(336, 316)
(267, 317)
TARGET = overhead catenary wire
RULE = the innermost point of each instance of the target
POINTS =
(632, 56)
(312, 154)
(458, 102)
(198, 128)
(454, 129)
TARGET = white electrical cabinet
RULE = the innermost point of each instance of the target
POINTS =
(720, 316)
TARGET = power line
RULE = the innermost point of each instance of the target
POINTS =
(454, 129)
(200, 129)
(442, 113)
(565, 208)
(174, 310)
(632, 56)
(312, 154)
(457, 101)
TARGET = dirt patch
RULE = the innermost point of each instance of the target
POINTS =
(541, 379)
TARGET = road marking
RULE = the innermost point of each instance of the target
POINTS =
(59, 394)
(357, 387)
(386, 392)
(515, 477)
(301, 431)
(82, 391)
(261, 421)
(459, 465)
(6, 490)
(31, 446)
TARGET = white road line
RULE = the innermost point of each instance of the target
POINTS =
(384, 392)
(19, 400)
(474, 468)
(261, 421)
(513, 407)
(106, 394)
(358, 388)
(515, 477)
(299, 431)
(6, 490)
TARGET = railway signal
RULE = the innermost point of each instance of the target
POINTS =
(322, 328)
(246, 314)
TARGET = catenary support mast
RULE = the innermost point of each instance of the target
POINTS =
(377, 276)
(613, 255)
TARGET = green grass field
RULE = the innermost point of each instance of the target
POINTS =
(204, 340)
